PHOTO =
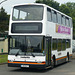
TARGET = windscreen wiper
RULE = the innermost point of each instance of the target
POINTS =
(32, 54)
(17, 53)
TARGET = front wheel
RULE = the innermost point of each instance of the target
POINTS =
(67, 59)
(53, 63)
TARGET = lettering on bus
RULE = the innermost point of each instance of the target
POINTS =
(63, 29)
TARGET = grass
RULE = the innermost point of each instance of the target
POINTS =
(3, 58)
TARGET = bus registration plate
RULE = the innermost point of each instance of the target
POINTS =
(24, 65)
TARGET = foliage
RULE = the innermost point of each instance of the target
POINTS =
(63, 8)
(51, 3)
(68, 9)
(4, 20)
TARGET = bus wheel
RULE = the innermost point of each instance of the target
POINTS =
(67, 59)
(53, 62)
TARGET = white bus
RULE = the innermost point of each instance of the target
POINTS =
(39, 36)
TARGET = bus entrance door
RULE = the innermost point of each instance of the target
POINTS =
(48, 51)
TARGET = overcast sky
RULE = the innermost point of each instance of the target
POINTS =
(8, 4)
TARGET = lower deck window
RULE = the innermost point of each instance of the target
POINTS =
(54, 44)
(59, 44)
(63, 44)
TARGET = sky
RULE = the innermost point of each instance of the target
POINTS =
(8, 4)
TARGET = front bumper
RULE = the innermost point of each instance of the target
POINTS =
(30, 65)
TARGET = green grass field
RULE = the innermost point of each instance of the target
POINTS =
(3, 58)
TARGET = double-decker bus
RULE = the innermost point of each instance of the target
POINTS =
(39, 36)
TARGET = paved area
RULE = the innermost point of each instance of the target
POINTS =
(63, 69)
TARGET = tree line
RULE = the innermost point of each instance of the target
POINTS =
(67, 8)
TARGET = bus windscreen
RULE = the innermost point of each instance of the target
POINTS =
(26, 45)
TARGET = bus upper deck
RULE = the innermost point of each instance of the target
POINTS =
(33, 19)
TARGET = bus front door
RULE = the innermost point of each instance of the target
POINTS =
(48, 51)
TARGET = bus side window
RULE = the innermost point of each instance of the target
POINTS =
(54, 16)
(63, 44)
(59, 18)
(59, 44)
(67, 22)
(63, 20)
(71, 23)
(68, 43)
(48, 14)
(54, 44)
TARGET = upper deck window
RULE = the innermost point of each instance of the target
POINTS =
(63, 19)
(48, 14)
(28, 12)
(70, 20)
(59, 18)
(54, 16)
(67, 21)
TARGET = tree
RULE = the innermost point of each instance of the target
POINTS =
(4, 20)
(3, 17)
(63, 8)
(51, 3)
(71, 5)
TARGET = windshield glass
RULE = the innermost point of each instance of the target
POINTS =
(28, 12)
(26, 45)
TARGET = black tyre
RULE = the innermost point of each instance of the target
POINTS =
(67, 59)
(53, 63)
